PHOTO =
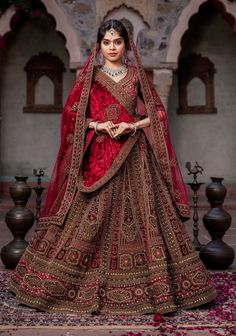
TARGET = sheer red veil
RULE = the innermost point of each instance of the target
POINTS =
(74, 139)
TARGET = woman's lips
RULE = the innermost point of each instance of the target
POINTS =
(112, 54)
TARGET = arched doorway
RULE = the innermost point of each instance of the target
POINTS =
(29, 140)
(209, 138)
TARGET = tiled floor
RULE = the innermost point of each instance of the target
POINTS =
(230, 205)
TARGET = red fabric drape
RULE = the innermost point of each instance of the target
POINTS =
(74, 135)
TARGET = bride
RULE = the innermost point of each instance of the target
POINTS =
(111, 237)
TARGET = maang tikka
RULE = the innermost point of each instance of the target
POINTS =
(111, 31)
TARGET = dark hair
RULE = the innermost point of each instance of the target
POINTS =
(118, 26)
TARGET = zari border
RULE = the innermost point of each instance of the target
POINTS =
(77, 151)
(160, 146)
(183, 209)
(156, 127)
(164, 308)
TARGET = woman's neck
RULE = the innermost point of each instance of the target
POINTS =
(113, 65)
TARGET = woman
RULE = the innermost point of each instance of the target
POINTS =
(111, 238)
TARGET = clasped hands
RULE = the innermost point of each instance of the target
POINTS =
(116, 130)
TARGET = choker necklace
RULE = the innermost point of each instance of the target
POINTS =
(114, 72)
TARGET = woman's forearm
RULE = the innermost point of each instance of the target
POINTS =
(142, 123)
(91, 124)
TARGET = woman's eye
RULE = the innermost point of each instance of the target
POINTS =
(118, 42)
(106, 43)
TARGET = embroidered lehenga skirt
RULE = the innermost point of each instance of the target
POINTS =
(121, 252)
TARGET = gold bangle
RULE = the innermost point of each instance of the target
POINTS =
(135, 129)
(95, 127)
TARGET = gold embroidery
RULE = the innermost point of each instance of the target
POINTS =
(112, 112)
(87, 251)
(116, 90)
(70, 138)
(77, 269)
(119, 160)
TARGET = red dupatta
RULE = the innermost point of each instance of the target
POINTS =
(75, 139)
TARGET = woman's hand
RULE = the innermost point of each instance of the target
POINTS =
(123, 128)
(107, 127)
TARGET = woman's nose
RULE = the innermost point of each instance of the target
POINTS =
(112, 46)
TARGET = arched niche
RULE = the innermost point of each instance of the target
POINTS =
(22, 132)
(208, 138)
(196, 84)
(196, 73)
(130, 17)
(64, 28)
(44, 91)
(38, 67)
(225, 7)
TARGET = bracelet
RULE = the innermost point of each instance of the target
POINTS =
(135, 129)
(95, 127)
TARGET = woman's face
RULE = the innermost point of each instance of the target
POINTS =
(113, 47)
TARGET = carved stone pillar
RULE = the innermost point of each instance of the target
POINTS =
(163, 79)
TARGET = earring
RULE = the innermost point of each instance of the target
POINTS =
(101, 59)
(125, 59)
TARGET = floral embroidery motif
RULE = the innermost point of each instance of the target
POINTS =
(70, 138)
(112, 112)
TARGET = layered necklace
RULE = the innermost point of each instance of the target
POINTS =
(114, 72)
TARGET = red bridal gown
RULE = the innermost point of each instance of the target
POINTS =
(122, 248)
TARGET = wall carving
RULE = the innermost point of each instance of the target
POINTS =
(194, 66)
(44, 64)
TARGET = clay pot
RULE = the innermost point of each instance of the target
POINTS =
(216, 191)
(19, 220)
(217, 254)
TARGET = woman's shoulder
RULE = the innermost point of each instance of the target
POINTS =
(97, 68)
(133, 72)
(132, 68)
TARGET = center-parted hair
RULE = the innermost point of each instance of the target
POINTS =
(117, 26)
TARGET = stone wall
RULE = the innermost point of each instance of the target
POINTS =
(209, 138)
(29, 140)
(82, 16)
(161, 17)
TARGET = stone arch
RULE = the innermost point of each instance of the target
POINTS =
(227, 9)
(130, 14)
(144, 8)
(63, 28)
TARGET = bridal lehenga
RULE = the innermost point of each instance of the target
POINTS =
(111, 237)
